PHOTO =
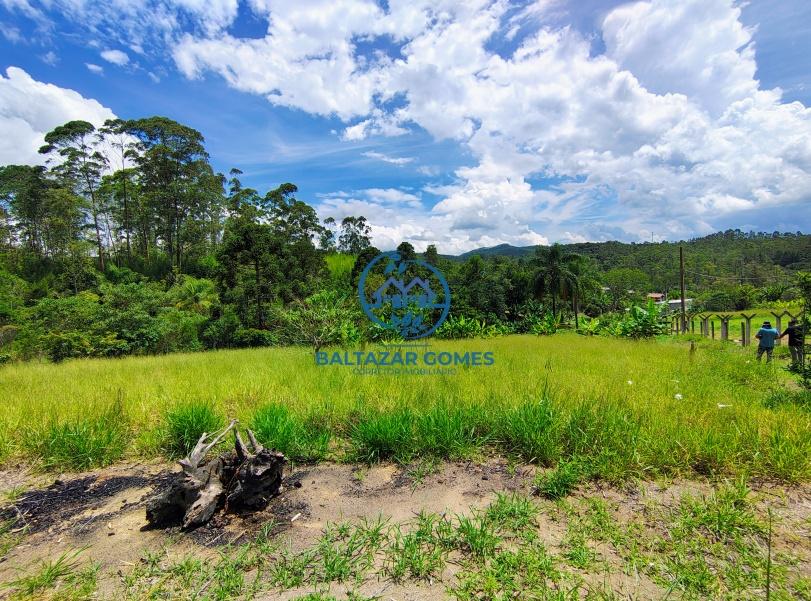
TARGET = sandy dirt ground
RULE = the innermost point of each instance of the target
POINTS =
(103, 512)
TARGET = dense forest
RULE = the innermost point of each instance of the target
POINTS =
(126, 241)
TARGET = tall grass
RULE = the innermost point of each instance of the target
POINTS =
(80, 443)
(620, 407)
(186, 423)
(277, 427)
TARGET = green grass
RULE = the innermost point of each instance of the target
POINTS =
(62, 577)
(80, 443)
(711, 547)
(299, 439)
(186, 423)
(340, 265)
(627, 408)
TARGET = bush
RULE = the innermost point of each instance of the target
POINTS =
(220, 332)
(186, 423)
(464, 327)
(644, 323)
(275, 426)
(178, 331)
(249, 337)
(545, 325)
(83, 443)
(324, 319)
(71, 344)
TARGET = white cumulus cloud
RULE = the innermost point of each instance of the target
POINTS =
(29, 109)
(666, 130)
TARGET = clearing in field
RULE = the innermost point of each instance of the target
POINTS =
(574, 467)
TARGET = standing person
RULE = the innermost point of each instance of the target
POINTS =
(766, 335)
(796, 339)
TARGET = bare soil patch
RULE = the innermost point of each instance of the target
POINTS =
(104, 513)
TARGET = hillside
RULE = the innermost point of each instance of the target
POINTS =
(731, 257)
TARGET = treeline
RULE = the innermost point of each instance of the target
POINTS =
(723, 260)
(128, 242)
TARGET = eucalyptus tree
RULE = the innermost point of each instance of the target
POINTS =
(176, 180)
(291, 218)
(23, 198)
(431, 255)
(326, 240)
(121, 186)
(80, 169)
(355, 235)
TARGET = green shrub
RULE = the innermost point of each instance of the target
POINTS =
(82, 443)
(277, 427)
(465, 327)
(249, 337)
(186, 423)
(644, 323)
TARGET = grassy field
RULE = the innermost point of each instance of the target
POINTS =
(597, 407)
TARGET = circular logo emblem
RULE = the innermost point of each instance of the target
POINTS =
(408, 296)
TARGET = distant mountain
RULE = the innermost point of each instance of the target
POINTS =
(502, 250)
(723, 258)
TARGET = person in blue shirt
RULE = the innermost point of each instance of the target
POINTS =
(766, 335)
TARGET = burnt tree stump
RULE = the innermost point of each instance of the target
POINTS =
(242, 478)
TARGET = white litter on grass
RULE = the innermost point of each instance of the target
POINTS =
(678, 397)
(630, 382)
(295, 517)
(720, 406)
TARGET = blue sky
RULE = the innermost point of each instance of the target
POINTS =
(464, 124)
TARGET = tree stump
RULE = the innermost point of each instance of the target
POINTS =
(243, 478)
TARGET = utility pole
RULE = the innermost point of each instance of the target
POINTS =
(681, 285)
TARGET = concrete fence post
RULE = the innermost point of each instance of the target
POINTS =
(748, 335)
(724, 327)
(778, 323)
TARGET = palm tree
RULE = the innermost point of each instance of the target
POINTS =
(555, 275)
(196, 295)
(585, 281)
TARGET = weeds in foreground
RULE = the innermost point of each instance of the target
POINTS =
(702, 548)
(10, 536)
(561, 481)
(63, 573)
